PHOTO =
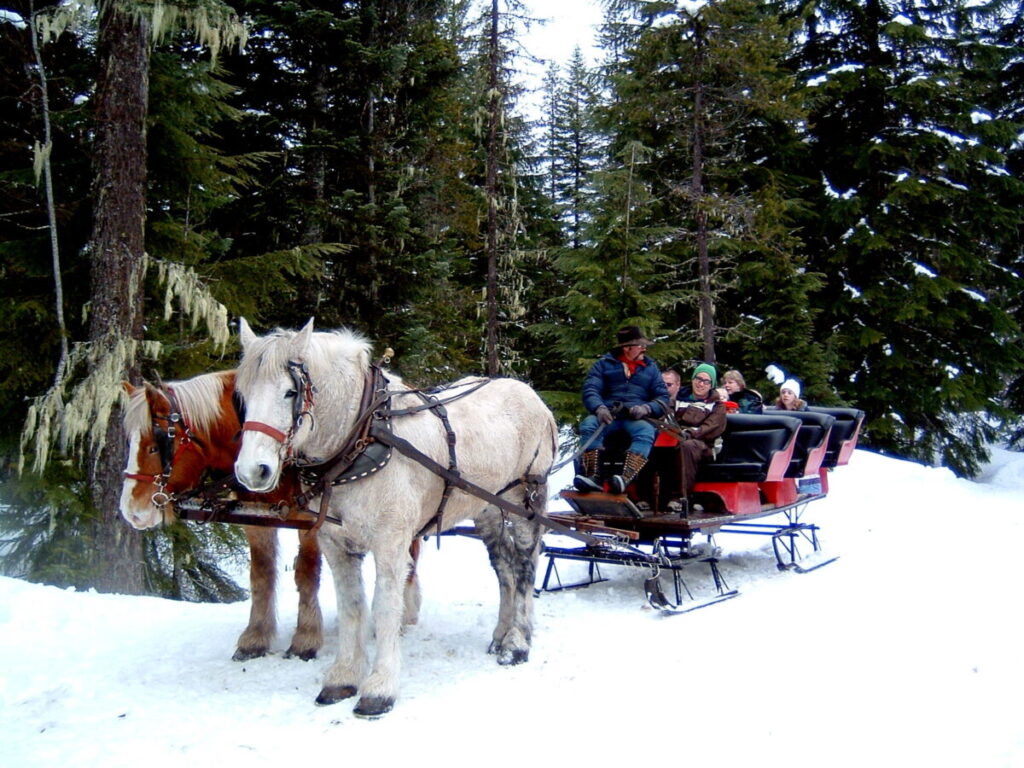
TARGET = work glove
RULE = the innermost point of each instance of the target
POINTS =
(604, 416)
(639, 411)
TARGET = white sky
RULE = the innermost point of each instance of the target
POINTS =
(569, 23)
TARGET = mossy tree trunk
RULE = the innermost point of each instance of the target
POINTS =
(116, 251)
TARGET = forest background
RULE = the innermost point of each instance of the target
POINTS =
(831, 186)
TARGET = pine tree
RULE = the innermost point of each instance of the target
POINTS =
(614, 279)
(706, 90)
(916, 214)
(86, 419)
(575, 147)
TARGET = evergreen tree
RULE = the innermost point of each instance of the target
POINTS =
(574, 147)
(917, 219)
(614, 279)
(1001, 38)
(86, 420)
(705, 89)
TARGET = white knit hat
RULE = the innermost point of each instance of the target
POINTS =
(792, 385)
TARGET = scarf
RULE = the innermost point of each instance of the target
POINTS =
(632, 365)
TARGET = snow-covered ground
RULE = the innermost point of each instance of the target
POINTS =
(904, 652)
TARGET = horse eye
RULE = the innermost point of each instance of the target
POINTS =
(290, 394)
(153, 449)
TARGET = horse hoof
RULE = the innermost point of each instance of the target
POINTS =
(306, 655)
(332, 694)
(244, 654)
(372, 707)
(511, 658)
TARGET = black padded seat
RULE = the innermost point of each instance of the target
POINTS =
(748, 446)
(847, 425)
(815, 428)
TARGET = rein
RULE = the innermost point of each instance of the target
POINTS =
(372, 426)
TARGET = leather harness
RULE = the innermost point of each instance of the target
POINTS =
(367, 449)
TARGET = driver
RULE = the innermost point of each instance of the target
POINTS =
(622, 388)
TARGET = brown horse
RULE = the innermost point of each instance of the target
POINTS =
(176, 434)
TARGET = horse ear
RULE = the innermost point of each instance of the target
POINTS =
(245, 334)
(301, 343)
(128, 388)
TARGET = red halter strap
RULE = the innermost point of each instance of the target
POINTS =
(266, 429)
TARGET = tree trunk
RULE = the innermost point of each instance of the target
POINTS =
(706, 301)
(491, 191)
(116, 250)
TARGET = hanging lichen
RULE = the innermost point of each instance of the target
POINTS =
(77, 424)
(194, 299)
(214, 24)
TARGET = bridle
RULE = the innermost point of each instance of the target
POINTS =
(301, 407)
(165, 441)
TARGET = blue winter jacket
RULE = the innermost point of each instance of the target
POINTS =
(606, 384)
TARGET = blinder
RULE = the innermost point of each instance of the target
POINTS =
(165, 442)
(303, 391)
(238, 403)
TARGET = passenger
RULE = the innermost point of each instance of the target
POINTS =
(656, 484)
(730, 405)
(622, 388)
(747, 400)
(672, 381)
(701, 415)
(789, 397)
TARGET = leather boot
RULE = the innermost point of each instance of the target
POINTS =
(632, 465)
(588, 481)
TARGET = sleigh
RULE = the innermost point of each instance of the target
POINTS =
(770, 466)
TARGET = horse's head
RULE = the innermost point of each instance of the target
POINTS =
(165, 454)
(291, 380)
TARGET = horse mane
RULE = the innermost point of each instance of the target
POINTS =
(198, 397)
(328, 350)
(136, 415)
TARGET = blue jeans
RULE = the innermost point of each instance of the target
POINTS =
(641, 434)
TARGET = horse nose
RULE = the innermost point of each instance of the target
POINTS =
(265, 472)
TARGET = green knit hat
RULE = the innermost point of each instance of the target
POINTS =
(709, 370)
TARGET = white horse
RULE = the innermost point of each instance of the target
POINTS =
(504, 434)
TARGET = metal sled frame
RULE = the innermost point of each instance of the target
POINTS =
(669, 553)
(790, 540)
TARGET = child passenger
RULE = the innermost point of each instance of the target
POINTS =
(789, 397)
(746, 400)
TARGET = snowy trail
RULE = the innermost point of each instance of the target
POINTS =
(905, 650)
